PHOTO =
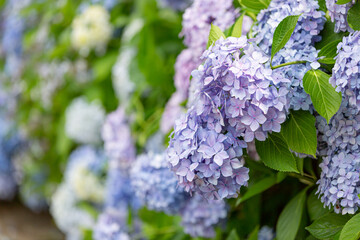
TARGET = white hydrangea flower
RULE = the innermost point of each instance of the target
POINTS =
(68, 217)
(91, 30)
(84, 121)
(121, 80)
(85, 184)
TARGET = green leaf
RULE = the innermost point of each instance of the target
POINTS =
(290, 218)
(299, 132)
(254, 5)
(260, 187)
(322, 5)
(327, 226)
(325, 99)
(351, 230)
(237, 30)
(315, 207)
(353, 16)
(254, 234)
(340, 2)
(329, 52)
(233, 235)
(275, 153)
(328, 35)
(215, 34)
(283, 33)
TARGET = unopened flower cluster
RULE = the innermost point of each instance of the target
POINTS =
(91, 30)
(84, 121)
(236, 98)
(346, 74)
(338, 14)
(299, 47)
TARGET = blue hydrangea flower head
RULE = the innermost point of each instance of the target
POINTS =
(155, 185)
(200, 216)
(266, 233)
(338, 14)
(112, 225)
(346, 74)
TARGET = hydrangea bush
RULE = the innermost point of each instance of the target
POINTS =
(160, 119)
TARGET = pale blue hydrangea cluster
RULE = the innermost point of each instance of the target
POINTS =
(155, 185)
(339, 184)
(83, 183)
(346, 75)
(266, 233)
(13, 27)
(236, 98)
(299, 47)
(112, 225)
(118, 142)
(8, 145)
(338, 14)
(177, 5)
(84, 120)
(201, 215)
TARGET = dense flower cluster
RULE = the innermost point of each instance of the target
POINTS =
(200, 216)
(155, 185)
(91, 29)
(8, 145)
(346, 74)
(84, 121)
(198, 18)
(111, 225)
(236, 98)
(82, 183)
(338, 14)
(68, 216)
(178, 5)
(84, 170)
(118, 142)
(339, 184)
(299, 47)
(121, 80)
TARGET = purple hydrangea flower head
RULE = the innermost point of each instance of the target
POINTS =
(346, 74)
(173, 110)
(266, 233)
(339, 185)
(155, 185)
(235, 97)
(200, 216)
(338, 14)
(198, 18)
(118, 142)
(177, 5)
(299, 47)
(112, 225)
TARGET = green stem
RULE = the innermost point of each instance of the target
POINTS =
(306, 180)
(286, 64)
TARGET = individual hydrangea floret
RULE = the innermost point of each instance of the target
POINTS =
(155, 185)
(118, 142)
(339, 184)
(112, 225)
(299, 47)
(338, 14)
(84, 121)
(198, 18)
(84, 173)
(91, 30)
(177, 5)
(346, 74)
(201, 216)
